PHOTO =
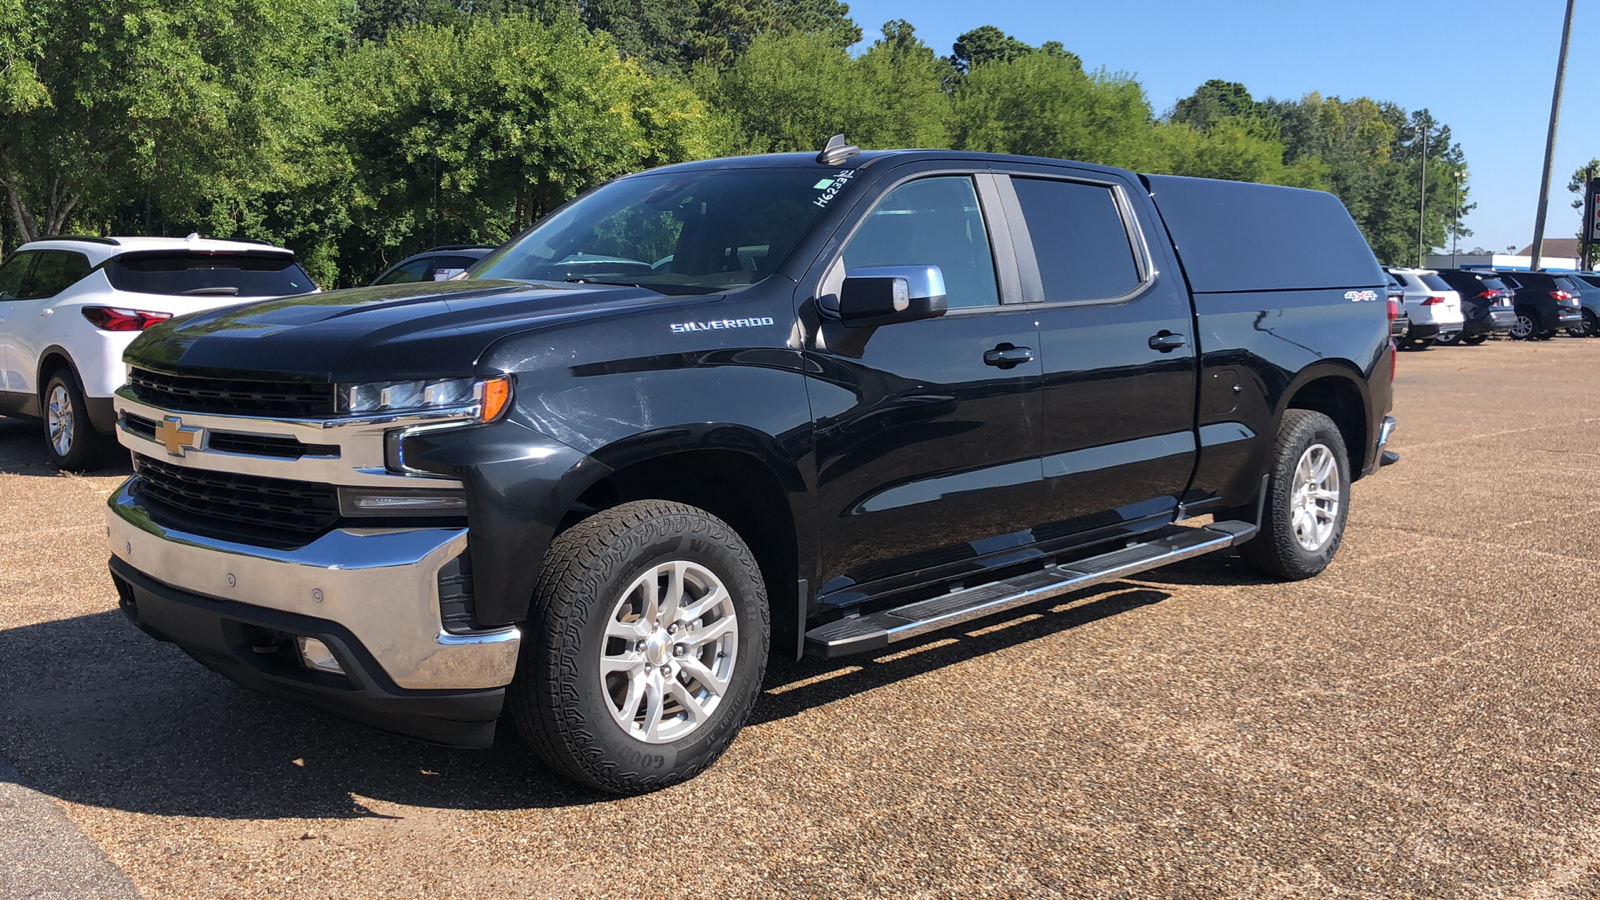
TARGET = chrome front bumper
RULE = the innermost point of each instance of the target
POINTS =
(380, 583)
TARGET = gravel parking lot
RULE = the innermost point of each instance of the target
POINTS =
(1418, 721)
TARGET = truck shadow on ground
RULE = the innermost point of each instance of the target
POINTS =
(22, 452)
(98, 714)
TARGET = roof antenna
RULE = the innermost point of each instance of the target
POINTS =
(837, 151)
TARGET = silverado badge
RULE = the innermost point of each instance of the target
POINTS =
(177, 438)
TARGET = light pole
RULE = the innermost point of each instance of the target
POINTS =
(1550, 141)
(1455, 227)
(1422, 202)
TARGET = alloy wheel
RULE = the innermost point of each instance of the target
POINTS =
(60, 423)
(671, 644)
(1314, 501)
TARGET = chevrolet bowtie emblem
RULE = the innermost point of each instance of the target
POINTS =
(177, 438)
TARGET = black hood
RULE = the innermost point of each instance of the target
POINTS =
(434, 329)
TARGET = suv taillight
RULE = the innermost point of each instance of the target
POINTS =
(1433, 301)
(1559, 296)
(1394, 309)
(1488, 295)
(110, 318)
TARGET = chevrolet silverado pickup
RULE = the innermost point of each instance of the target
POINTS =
(701, 415)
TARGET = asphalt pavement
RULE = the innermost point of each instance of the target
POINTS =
(1417, 721)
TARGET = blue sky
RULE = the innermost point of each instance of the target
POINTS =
(1485, 69)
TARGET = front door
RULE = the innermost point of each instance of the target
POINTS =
(927, 439)
(1118, 342)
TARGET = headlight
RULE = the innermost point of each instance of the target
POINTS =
(491, 396)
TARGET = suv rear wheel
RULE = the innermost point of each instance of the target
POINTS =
(1307, 504)
(648, 646)
(1526, 326)
(73, 443)
(1585, 329)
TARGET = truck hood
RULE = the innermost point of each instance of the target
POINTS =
(392, 332)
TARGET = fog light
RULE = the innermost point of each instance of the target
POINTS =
(316, 656)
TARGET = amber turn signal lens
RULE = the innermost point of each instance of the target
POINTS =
(496, 397)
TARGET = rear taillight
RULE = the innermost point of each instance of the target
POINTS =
(110, 318)
(1488, 295)
(1394, 309)
(1559, 296)
(1433, 301)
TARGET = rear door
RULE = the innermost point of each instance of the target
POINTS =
(30, 319)
(13, 284)
(1118, 342)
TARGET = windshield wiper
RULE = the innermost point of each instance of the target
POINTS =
(603, 281)
(219, 291)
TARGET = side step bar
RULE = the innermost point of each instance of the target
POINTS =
(865, 634)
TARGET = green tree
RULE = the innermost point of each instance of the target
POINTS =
(471, 132)
(178, 100)
(1580, 177)
(1214, 100)
(1043, 104)
(987, 44)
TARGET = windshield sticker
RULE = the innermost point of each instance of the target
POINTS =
(719, 324)
(830, 187)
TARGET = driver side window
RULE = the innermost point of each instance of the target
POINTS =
(931, 222)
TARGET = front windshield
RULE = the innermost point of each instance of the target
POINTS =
(676, 233)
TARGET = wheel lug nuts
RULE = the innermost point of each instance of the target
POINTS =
(678, 650)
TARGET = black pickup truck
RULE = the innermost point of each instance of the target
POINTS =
(789, 404)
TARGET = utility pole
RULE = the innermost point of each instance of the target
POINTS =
(1455, 228)
(1550, 140)
(1590, 215)
(1422, 203)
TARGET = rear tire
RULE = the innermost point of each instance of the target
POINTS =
(69, 436)
(1526, 326)
(647, 647)
(1473, 340)
(1447, 340)
(1307, 505)
(1416, 343)
(1587, 329)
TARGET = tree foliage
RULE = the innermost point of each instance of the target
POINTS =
(358, 131)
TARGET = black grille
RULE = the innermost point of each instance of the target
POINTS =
(277, 504)
(235, 442)
(231, 395)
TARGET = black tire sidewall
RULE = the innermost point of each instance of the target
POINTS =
(566, 664)
(1275, 549)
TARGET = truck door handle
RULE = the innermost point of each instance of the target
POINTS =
(1006, 356)
(1166, 341)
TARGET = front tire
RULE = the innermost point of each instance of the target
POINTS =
(69, 436)
(1473, 340)
(648, 645)
(1308, 490)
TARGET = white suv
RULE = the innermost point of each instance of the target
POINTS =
(1434, 308)
(69, 306)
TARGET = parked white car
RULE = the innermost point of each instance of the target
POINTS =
(69, 306)
(1433, 306)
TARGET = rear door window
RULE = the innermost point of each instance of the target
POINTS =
(1435, 283)
(1079, 239)
(209, 274)
(14, 274)
(931, 222)
(55, 271)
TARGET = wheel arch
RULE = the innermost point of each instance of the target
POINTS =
(1339, 392)
(737, 474)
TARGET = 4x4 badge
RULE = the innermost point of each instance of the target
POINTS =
(177, 438)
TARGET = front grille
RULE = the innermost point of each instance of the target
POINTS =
(232, 396)
(237, 442)
(228, 498)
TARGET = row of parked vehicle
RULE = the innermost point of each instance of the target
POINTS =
(1468, 306)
